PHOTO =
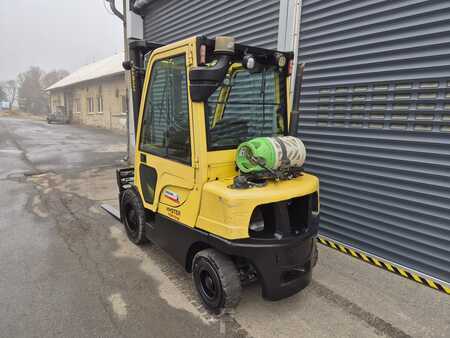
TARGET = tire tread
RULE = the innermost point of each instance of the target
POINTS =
(228, 274)
(132, 196)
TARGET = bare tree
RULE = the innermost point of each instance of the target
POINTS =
(2, 93)
(31, 88)
(10, 90)
(53, 76)
(32, 98)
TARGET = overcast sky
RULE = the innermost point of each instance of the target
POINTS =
(55, 34)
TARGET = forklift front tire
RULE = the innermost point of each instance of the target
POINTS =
(216, 279)
(133, 216)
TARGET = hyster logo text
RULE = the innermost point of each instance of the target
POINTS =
(174, 213)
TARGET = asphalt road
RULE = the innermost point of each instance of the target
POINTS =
(67, 269)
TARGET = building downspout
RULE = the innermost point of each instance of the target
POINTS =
(289, 33)
(123, 18)
(112, 5)
(127, 74)
(295, 43)
(135, 31)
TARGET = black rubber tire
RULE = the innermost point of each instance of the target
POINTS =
(133, 216)
(315, 255)
(224, 290)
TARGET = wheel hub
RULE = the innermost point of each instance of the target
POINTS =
(208, 284)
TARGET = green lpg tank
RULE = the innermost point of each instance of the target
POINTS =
(271, 152)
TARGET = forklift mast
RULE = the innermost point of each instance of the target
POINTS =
(136, 65)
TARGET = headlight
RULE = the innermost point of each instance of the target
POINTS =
(257, 221)
(281, 59)
(249, 61)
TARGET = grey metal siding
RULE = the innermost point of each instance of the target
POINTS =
(253, 22)
(375, 118)
(249, 21)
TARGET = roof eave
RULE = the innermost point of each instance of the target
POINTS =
(83, 81)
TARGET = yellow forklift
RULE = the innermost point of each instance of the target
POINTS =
(218, 180)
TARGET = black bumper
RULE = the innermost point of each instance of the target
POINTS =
(284, 265)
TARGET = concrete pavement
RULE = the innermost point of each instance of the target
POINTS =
(68, 270)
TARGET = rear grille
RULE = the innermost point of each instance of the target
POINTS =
(286, 218)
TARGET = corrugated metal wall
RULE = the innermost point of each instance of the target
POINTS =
(249, 21)
(376, 121)
(254, 22)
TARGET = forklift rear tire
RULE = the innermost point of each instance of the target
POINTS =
(216, 279)
(133, 216)
(315, 256)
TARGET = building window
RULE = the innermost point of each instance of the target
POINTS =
(124, 104)
(100, 104)
(76, 106)
(90, 103)
(56, 102)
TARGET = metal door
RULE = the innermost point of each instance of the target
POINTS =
(375, 118)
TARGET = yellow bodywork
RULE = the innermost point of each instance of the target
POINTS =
(203, 197)
(226, 212)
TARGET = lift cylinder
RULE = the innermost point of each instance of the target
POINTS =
(270, 153)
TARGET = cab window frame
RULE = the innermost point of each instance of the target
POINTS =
(283, 110)
(188, 160)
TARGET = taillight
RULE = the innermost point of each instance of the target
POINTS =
(202, 54)
(257, 221)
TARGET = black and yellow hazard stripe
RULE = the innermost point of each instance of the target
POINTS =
(385, 265)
